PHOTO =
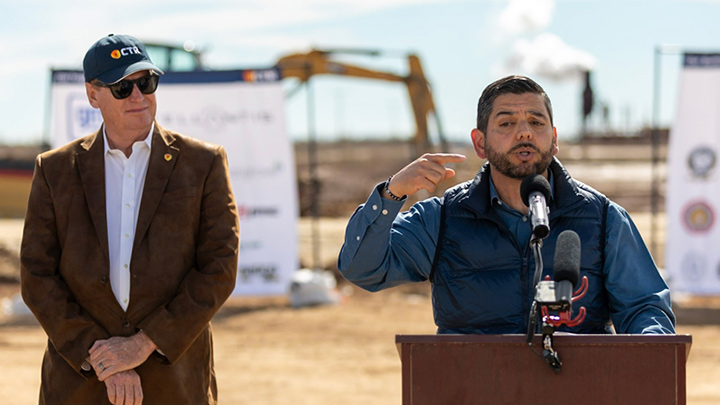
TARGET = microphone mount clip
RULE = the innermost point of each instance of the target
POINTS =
(552, 321)
(564, 317)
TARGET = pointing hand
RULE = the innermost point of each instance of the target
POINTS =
(423, 173)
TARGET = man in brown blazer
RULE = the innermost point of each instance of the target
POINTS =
(129, 248)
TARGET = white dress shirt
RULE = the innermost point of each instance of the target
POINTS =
(124, 182)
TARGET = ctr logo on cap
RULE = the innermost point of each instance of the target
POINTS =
(130, 50)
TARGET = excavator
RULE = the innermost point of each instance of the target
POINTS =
(303, 66)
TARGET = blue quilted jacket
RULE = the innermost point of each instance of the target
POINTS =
(482, 276)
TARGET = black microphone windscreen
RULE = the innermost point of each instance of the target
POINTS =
(567, 258)
(534, 183)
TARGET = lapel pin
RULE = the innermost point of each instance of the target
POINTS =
(168, 157)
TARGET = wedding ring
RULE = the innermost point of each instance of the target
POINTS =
(101, 366)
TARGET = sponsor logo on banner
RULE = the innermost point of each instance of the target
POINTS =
(257, 172)
(68, 76)
(215, 118)
(694, 265)
(698, 217)
(702, 60)
(262, 75)
(82, 118)
(267, 273)
(245, 212)
(702, 161)
(247, 245)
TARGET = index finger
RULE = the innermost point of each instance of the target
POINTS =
(97, 345)
(138, 394)
(97, 352)
(442, 158)
(111, 390)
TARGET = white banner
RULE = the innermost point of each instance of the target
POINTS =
(244, 112)
(693, 192)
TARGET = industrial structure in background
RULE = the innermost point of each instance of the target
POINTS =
(588, 100)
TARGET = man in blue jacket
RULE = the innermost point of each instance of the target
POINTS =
(473, 244)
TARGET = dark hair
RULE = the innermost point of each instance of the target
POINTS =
(510, 84)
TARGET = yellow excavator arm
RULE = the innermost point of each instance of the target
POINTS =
(305, 65)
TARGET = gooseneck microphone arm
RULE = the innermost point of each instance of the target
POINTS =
(536, 244)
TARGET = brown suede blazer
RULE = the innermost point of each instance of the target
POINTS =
(184, 263)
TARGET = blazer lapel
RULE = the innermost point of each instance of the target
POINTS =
(91, 166)
(162, 161)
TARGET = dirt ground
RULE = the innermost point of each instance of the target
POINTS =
(269, 353)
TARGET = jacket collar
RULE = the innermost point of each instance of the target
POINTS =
(163, 156)
(474, 196)
(91, 165)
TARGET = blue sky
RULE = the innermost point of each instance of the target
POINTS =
(463, 45)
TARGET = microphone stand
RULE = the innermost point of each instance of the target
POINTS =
(536, 245)
(549, 354)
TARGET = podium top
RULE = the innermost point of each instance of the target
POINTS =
(559, 339)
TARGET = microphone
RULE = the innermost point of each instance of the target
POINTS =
(566, 270)
(535, 191)
(557, 294)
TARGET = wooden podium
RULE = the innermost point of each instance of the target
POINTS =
(502, 369)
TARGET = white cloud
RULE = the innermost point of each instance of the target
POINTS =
(544, 55)
(550, 57)
(523, 16)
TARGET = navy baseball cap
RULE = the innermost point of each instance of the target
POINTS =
(115, 57)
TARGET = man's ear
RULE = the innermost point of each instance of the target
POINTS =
(478, 140)
(92, 94)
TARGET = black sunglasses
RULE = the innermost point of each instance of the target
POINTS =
(124, 88)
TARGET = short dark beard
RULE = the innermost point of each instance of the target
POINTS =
(501, 161)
